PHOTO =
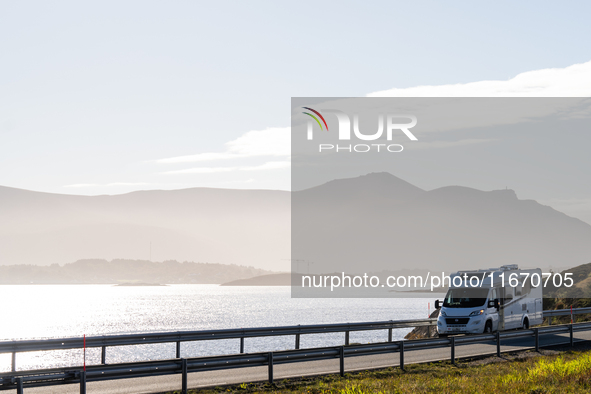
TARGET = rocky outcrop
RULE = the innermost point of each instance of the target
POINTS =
(425, 331)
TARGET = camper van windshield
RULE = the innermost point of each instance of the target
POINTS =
(465, 297)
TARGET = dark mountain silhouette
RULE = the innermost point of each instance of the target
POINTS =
(379, 222)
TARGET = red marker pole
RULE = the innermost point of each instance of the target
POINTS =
(85, 352)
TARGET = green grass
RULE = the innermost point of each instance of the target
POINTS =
(556, 371)
(526, 372)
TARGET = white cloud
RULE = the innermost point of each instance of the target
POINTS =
(202, 170)
(82, 185)
(271, 165)
(571, 81)
(275, 141)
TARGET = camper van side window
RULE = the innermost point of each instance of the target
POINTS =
(508, 295)
(526, 287)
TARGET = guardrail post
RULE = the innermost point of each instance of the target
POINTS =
(103, 355)
(83, 382)
(342, 360)
(19, 386)
(537, 334)
(346, 338)
(178, 349)
(13, 367)
(498, 344)
(389, 335)
(572, 339)
(401, 350)
(453, 350)
(242, 345)
(271, 367)
(184, 378)
(297, 344)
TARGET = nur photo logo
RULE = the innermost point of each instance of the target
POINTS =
(390, 123)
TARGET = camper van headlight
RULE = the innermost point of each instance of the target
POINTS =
(477, 313)
(443, 313)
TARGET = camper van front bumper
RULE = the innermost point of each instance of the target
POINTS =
(460, 325)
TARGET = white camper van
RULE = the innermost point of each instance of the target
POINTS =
(490, 300)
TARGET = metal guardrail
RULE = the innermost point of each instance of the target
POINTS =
(44, 377)
(105, 341)
(564, 312)
(25, 379)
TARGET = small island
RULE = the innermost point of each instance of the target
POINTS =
(283, 279)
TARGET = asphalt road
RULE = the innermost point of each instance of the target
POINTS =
(161, 384)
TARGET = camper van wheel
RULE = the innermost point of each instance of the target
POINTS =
(488, 327)
(525, 324)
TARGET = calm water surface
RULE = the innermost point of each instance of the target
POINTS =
(51, 311)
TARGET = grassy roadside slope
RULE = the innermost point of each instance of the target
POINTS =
(524, 372)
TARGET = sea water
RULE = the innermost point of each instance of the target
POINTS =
(61, 311)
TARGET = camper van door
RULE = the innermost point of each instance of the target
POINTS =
(512, 314)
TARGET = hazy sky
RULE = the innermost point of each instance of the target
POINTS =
(104, 97)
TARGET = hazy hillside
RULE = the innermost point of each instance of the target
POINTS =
(122, 271)
(366, 224)
(378, 221)
(581, 288)
(246, 227)
(283, 279)
(577, 296)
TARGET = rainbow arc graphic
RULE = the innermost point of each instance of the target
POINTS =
(315, 118)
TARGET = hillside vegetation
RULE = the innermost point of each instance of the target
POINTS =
(577, 296)
(582, 284)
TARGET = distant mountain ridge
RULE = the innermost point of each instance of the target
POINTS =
(245, 227)
(448, 228)
(95, 271)
(281, 279)
(380, 221)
